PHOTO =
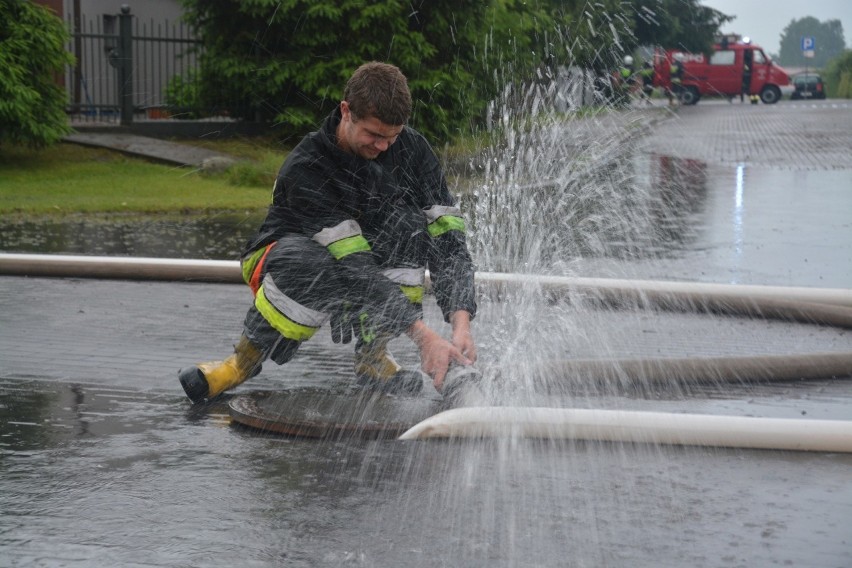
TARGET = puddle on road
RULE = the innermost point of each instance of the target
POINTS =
(215, 236)
(94, 475)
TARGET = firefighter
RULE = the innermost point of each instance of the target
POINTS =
(360, 209)
(647, 75)
(676, 77)
(746, 79)
(626, 80)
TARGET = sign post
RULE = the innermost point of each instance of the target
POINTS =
(808, 51)
(808, 46)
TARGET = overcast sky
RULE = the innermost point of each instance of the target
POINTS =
(764, 20)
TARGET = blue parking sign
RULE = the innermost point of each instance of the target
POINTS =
(808, 43)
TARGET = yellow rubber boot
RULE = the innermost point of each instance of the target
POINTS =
(374, 360)
(208, 380)
(376, 368)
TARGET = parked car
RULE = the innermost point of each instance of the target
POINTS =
(808, 86)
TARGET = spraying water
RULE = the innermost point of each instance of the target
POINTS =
(555, 183)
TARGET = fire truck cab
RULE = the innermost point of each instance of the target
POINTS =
(734, 67)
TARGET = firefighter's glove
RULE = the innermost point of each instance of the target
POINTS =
(342, 322)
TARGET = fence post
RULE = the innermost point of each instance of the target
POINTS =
(125, 68)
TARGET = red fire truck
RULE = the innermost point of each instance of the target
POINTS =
(724, 73)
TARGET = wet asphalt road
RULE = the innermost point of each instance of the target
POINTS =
(104, 463)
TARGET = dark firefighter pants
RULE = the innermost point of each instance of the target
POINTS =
(300, 286)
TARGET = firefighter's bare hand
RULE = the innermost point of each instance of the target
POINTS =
(462, 336)
(436, 353)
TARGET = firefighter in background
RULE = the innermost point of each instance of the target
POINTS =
(748, 64)
(676, 77)
(360, 210)
(626, 81)
(647, 76)
(746, 84)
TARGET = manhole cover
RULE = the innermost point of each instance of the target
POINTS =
(323, 414)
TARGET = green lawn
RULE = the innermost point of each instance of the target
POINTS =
(67, 178)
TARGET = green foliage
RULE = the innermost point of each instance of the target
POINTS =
(677, 24)
(32, 56)
(247, 174)
(828, 36)
(838, 76)
(183, 95)
(289, 60)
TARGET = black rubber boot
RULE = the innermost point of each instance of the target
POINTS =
(405, 383)
(376, 369)
(208, 380)
(193, 382)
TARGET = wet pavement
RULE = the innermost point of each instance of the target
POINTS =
(104, 462)
(790, 135)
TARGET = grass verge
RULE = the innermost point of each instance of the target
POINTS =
(66, 178)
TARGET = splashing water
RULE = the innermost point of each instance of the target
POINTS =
(555, 184)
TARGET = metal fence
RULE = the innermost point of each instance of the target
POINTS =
(124, 68)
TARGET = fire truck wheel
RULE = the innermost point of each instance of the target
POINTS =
(689, 96)
(770, 94)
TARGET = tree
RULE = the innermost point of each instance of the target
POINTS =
(681, 24)
(838, 76)
(289, 59)
(32, 54)
(828, 36)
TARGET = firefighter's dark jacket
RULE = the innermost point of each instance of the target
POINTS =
(321, 187)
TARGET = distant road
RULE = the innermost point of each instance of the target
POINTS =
(813, 135)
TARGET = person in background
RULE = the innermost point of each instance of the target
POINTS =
(626, 81)
(676, 77)
(360, 210)
(647, 75)
(746, 79)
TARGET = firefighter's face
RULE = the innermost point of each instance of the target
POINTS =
(364, 137)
